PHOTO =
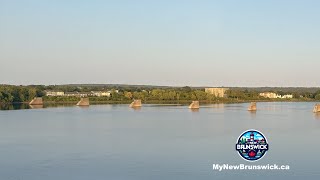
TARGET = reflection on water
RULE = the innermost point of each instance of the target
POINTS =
(317, 115)
(18, 106)
(194, 110)
(136, 108)
(219, 105)
(36, 106)
(14, 106)
(253, 114)
(83, 107)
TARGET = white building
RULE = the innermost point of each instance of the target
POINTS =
(85, 94)
(108, 94)
(289, 96)
(101, 93)
(71, 94)
(268, 95)
(274, 95)
(54, 93)
(80, 94)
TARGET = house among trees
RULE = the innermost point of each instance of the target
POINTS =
(101, 93)
(274, 95)
(71, 94)
(54, 93)
(79, 94)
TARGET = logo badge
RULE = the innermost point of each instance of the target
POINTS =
(252, 145)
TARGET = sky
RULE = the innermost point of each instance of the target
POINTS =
(164, 42)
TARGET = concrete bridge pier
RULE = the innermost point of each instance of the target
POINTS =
(83, 102)
(316, 108)
(252, 106)
(36, 101)
(136, 103)
(194, 105)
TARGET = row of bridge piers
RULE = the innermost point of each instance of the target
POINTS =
(137, 104)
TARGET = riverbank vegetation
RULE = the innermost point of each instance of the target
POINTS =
(149, 94)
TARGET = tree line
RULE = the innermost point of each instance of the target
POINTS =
(16, 94)
(11, 94)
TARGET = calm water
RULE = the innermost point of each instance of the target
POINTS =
(154, 142)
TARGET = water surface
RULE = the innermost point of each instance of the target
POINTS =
(154, 142)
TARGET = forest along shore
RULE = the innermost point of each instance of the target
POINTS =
(124, 94)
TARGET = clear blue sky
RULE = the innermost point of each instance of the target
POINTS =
(174, 42)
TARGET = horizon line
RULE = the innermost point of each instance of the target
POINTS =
(201, 86)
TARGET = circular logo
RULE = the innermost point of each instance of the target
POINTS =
(252, 145)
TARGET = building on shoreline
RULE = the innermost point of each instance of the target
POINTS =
(272, 95)
(268, 95)
(218, 92)
(287, 96)
(79, 94)
(85, 94)
(54, 93)
(71, 94)
(101, 93)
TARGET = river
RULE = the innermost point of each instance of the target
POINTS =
(155, 142)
